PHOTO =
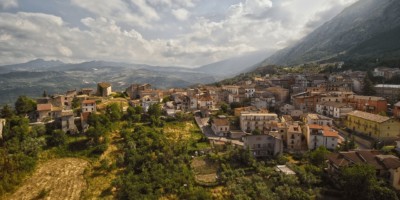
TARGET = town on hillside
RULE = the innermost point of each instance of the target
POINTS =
(268, 115)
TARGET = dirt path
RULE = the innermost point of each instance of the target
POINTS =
(55, 179)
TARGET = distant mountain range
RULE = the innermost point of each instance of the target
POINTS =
(366, 29)
(55, 77)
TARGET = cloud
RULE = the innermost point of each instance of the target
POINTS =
(161, 32)
(5, 4)
(180, 14)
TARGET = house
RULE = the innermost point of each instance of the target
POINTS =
(372, 125)
(386, 72)
(333, 109)
(294, 137)
(318, 135)
(281, 94)
(396, 110)
(387, 167)
(134, 90)
(252, 121)
(205, 101)
(220, 126)
(371, 104)
(285, 109)
(263, 145)
(88, 106)
(318, 119)
(2, 125)
(86, 91)
(147, 101)
(68, 122)
(84, 120)
(232, 89)
(388, 91)
(104, 89)
(43, 112)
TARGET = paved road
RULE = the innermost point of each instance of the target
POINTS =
(361, 143)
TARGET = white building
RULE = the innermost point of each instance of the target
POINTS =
(263, 145)
(252, 121)
(318, 135)
(333, 109)
(220, 127)
(147, 101)
(88, 106)
(318, 120)
(2, 124)
(232, 89)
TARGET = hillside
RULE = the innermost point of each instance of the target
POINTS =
(349, 33)
(236, 65)
(34, 77)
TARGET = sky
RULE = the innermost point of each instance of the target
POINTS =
(187, 33)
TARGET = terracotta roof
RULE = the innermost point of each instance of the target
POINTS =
(338, 160)
(89, 102)
(326, 130)
(221, 122)
(318, 117)
(369, 116)
(44, 107)
(104, 85)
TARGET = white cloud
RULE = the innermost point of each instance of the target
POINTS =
(145, 31)
(5, 4)
(180, 14)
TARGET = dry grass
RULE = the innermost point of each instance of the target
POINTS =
(55, 179)
(205, 171)
(100, 180)
(180, 132)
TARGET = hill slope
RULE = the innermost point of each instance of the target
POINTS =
(346, 34)
(236, 65)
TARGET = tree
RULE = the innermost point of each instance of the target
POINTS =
(224, 108)
(368, 88)
(25, 105)
(155, 110)
(360, 182)
(318, 156)
(44, 93)
(75, 103)
(6, 112)
(113, 112)
(57, 138)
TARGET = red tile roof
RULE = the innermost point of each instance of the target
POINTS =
(89, 102)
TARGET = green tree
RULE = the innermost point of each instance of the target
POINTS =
(44, 93)
(57, 138)
(224, 108)
(6, 112)
(318, 156)
(114, 112)
(155, 110)
(75, 103)
(368, 88)
(25, 105)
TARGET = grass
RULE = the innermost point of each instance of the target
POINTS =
(99, 177)
(205, 171)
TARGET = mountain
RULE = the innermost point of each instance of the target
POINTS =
(38, 64)
(236, 65)
(348, 34)
(55, 77)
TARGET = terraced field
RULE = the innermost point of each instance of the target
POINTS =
(55, 179)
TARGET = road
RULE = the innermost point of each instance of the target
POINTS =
(361, 143)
